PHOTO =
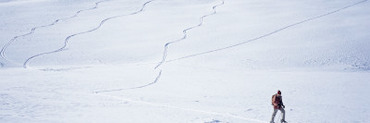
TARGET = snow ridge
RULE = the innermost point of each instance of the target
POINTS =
(25, 64)
(122, 89)
(185, 33)
(270, 33)
(4, 48)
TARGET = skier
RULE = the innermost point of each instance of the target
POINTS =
(277, 102)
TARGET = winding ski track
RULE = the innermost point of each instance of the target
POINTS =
(234, 45)
(4, 48)
(165, 52)
(270, 33)
(185, 34)
(66, 41)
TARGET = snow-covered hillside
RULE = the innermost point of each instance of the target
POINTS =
(201, 61)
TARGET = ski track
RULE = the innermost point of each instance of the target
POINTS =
(268, 34)
(228, 115)
(122, 89)
(66, 41)
(4, 48)
(165, 51)
(224, 48)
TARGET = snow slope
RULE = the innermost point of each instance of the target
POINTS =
(201, 61)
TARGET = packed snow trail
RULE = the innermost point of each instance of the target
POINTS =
(228, 115)
(25, 64)
(165, 51)
(268, 34)
(4, 48)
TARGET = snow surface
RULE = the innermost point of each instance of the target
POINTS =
(200, 61)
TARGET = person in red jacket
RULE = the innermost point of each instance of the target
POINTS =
(277, 102)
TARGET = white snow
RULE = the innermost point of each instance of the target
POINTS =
(198, 61)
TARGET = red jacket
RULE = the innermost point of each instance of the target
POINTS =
(277, 101)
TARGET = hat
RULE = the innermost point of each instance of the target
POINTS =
(279, 92)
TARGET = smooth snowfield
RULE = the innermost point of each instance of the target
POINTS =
(197, 61)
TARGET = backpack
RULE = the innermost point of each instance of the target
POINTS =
(272, 99)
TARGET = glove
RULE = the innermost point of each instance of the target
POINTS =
(283, 106)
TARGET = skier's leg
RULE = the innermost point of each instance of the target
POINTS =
(283, 111)
(273, 115)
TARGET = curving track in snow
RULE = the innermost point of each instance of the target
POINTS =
(4, 48)
(270, 33)
(185, 34)
(165, 52)
(66, 40)
(183, 38)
